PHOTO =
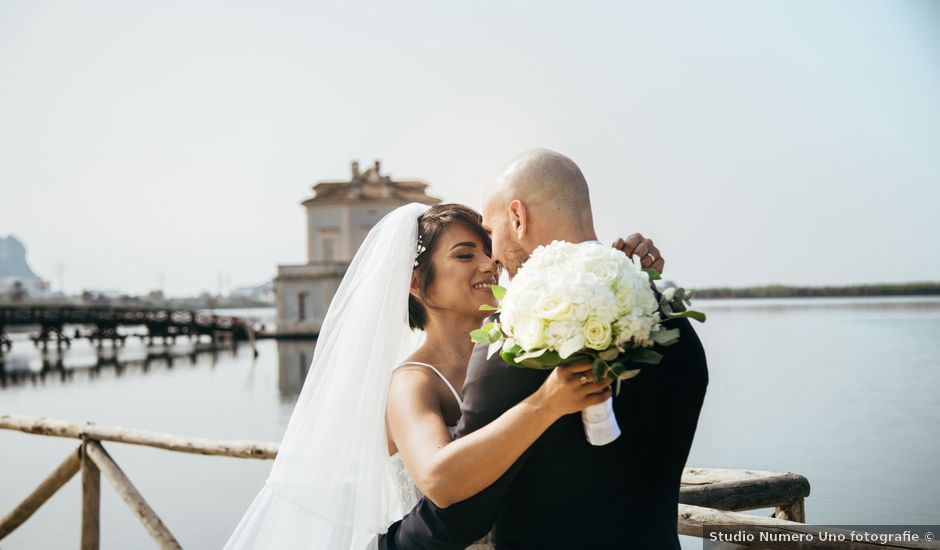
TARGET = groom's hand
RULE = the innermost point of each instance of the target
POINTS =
(644, 248)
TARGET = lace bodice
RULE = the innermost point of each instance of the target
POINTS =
(410, 495)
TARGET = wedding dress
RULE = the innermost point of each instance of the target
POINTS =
(333, 485)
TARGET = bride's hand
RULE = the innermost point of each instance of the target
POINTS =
(644, 248)
(572, 388)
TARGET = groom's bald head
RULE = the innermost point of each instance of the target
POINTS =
(540, 197)
(548, 183)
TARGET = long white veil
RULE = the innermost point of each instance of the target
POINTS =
(332, 485)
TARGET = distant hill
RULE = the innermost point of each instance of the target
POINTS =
(13, 260)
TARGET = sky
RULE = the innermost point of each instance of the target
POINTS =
(168, 145)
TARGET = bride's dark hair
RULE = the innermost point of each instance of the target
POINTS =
(431, 225)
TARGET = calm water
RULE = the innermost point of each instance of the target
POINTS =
(842, 391)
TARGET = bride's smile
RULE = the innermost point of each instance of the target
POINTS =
(455, 276)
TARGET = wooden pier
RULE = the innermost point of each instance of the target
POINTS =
(708, 497)
(104, 322)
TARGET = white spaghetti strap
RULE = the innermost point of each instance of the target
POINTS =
(444, 378)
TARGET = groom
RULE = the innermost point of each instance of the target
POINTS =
(563, 492)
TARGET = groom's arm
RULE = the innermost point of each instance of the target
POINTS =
(490, 389)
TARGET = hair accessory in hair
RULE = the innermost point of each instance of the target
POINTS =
(421, 249)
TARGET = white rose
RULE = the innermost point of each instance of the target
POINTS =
(597, 334)
(529, 331)
(602, 269)
(625, 297)
(553, 307)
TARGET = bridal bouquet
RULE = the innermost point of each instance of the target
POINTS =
(584, 302)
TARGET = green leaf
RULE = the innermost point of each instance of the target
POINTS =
(679, 295)
(509, 357)
(616, 369)
(535, 364)
(541, 359)
(692, 314)
(487, 334)
(600, 369)
(499, 292)
(480, 336)
(610, 354)
(628, 374)
(617, 391)
(532, 354)
(665, 337)
(487, 307)
(548, 359)
(654, 275)
(580, 357)
(510, 346)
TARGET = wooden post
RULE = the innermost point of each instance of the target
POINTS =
(154, 525)
(791, 512)
(250, 330)
(40, 494)
(91, 502)
(736, 490)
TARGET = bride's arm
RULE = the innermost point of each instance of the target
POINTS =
(448, 471)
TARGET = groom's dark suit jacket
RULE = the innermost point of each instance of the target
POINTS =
(563, 492)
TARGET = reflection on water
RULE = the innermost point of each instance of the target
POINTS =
(293, 362)
(840, 390)
(20, 367)
(24, 366)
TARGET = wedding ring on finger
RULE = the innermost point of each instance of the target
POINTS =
(583, 380)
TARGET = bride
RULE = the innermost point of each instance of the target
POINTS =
(371, 429)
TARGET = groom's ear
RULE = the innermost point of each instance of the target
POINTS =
(517, 218)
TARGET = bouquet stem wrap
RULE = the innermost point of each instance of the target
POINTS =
(600, 424)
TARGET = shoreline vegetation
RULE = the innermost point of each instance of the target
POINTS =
(785, 291)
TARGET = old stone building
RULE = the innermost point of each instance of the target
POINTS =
(339, 216)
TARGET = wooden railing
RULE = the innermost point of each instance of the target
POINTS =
(708, 497)
(92, 459)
